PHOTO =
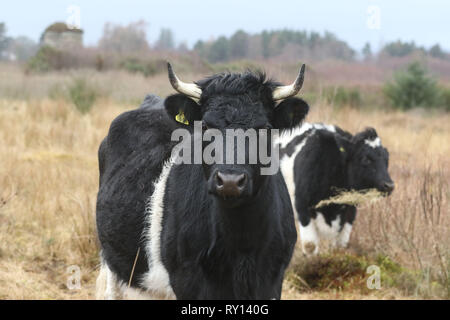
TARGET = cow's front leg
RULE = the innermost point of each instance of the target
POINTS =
(106, 284)
(348, 215)
(344, 236)
(309, 238)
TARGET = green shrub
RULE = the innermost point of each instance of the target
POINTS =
(446, 99)
(310, 97)
(50, 59)
(46, 59)
(134, 66)
(327, 271)
(413, 88)
(147, 68)
(81, 95)
(57, 91)
(341, 96)
(339, 270)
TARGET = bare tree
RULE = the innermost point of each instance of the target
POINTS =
(367, 51)
(22, 48)
(129, 38)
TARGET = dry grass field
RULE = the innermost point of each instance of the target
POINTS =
(49, 180)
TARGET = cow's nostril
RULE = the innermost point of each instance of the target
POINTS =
(230, 184)
(389, 186)
(242, 180)
(219, 180)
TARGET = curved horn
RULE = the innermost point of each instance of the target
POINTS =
(190, 89)
(283, 92)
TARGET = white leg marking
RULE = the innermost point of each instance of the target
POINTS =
(326, 231)
(344, 235)
(100, 284)
(310, 238)
(111, 285)
(109, 288)
(129, 293)
(156, 280)
(106, 284)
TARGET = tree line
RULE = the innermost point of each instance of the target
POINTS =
(285, 44)
(288, 44)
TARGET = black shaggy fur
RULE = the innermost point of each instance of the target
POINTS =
(212, 247)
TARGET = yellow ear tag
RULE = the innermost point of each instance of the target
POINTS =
(341, 149)
(181, 118)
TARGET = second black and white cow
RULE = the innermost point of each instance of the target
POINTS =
(317, 162)
(201, 230)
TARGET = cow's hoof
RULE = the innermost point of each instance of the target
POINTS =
(309, 248)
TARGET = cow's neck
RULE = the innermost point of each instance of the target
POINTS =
(338, 181)
(244, 227)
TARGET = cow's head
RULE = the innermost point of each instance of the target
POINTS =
(236, 101)
(367, 163)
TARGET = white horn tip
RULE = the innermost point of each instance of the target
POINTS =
(284, 92)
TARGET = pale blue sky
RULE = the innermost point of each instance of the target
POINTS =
(425, 21)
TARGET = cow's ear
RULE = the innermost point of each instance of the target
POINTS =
(290, 113)
(368, 133)
(344, 145)
(338, 143)
(182, 109)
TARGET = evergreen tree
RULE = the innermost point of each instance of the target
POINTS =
(367, 51)
(166, 40)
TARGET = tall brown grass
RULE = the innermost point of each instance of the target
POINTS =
(412, 226)
(48, 179)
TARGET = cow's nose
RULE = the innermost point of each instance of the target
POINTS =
(389, 186)
(230, 184)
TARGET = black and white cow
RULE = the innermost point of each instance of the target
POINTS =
(195, 231)
(317, 161)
